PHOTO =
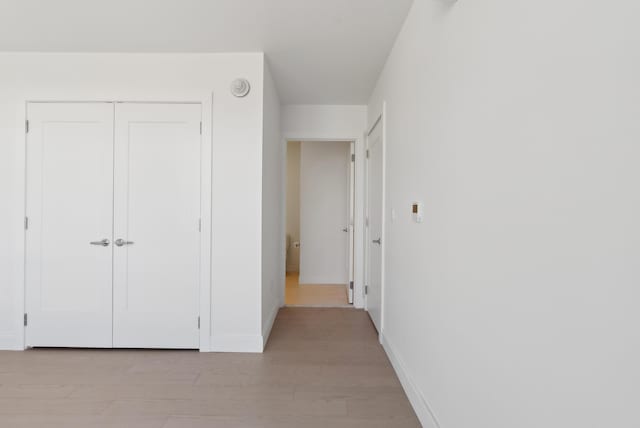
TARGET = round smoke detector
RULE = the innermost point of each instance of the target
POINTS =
(240, 88)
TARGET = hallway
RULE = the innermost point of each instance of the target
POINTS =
(329, 296)
(322, 367)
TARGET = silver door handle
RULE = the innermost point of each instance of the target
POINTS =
(377, 241)
(121, 242)
(346, 230)
(103, 243)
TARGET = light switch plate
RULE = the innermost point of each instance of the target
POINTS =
(417, 212)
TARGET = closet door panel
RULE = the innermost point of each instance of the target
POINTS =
(69, 207)
(157, 210)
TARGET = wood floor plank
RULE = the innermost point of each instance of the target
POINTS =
(73, 421)
(35, 391)
(52, 406)
(224, 407)
(180, 392)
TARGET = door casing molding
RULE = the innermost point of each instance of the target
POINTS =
(206, 159)
(380, 121)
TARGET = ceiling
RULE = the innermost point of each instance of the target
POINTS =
(320, 51)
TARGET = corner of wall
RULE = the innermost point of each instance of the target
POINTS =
(268, 325)
(272, 216)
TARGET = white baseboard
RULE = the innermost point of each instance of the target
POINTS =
(266, 327)
(237, 343)
(416, 398)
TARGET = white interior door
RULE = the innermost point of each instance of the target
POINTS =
(375, 191)
(157, 237)
(324, 212)
(69, 209)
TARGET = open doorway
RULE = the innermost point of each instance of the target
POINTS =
(319, 223)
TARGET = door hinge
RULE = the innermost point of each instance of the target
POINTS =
(368, 154)
(25, 320)
(198, 323)
(366, 222)
(200, 128)
(353, 158)
(366, 289)
(26, 126)
(26, 223)
(199, 225)
(350, 285)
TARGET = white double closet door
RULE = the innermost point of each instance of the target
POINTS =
(113, 236)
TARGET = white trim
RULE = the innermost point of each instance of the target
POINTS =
(383, 230)
(237, 344)
(366, 235)
(206, 212)
(283, 218)
(266, 328)
(359, 189)
(21, 269)
(259, 235)
(352, 211)
(381, 120)
(416, 397)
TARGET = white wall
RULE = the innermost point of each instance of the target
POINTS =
(273, 207)
(516, 122)
(324, 212)
(232, 151)
(293, 204)
(334, 123)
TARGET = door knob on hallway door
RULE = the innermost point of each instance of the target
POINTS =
(103, 243)
(346, 230)
(377, 241)
(121, 242)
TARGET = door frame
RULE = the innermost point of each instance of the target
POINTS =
(380, 121)
(206, 163)
(352, 209)
(356, 271)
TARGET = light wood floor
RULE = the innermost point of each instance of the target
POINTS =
(321, 368)
(314, 295)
